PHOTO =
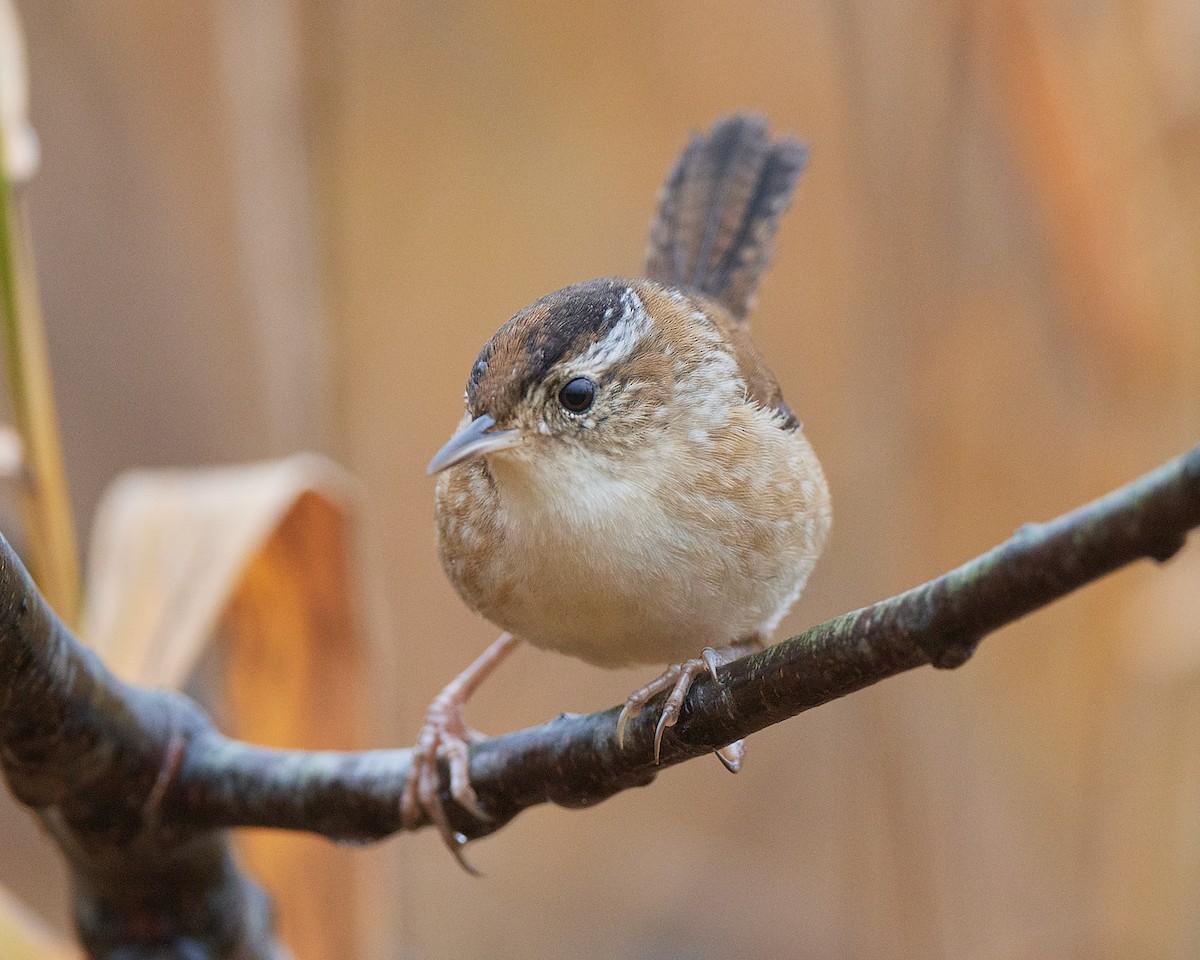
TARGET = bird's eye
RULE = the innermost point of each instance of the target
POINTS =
(577, 395)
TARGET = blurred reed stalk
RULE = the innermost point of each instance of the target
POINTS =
(44, 504)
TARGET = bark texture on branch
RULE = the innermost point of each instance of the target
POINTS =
(94, 758)
(574, 761)
(136, 786)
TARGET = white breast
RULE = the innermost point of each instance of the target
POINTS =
(630, 563)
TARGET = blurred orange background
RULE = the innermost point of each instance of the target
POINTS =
(266, 227)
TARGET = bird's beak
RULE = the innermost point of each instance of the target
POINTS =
(473, 440)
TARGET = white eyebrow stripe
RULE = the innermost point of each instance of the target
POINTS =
(626, 333)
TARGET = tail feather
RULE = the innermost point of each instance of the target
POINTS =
(720, 208)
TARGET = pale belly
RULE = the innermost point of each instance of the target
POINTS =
(634, 569)
(660, 596)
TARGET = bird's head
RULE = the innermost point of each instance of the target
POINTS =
(584, 374)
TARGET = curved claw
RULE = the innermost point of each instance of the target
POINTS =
(678, 678)
(422, 794)
(733, 755)
(666, 720)
(623, 719)
(711, 660)
(430, 787)
(639, 698)
(443, 732)
(628, 712)
(688, 671)
(460, 778)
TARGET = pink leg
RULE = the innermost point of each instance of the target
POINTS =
(678, 678)
(445, 729)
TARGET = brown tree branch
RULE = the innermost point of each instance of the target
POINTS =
(94, 758)
(574, 760)
(137, 786)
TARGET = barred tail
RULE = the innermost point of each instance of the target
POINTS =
(720, 208)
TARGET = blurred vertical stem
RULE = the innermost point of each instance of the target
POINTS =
(45, 507)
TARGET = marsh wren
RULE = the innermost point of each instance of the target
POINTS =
(627, 484)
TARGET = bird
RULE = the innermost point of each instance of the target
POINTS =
(627, 484)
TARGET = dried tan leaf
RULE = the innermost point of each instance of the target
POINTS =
(169, 549)
(240, 584)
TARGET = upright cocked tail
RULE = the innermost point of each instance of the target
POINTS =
(719, 210)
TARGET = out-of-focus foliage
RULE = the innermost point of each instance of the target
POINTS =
(20, 146)
(172, 550)
(24, 937)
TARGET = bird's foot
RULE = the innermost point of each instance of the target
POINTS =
(678, 678)
(444, 733)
